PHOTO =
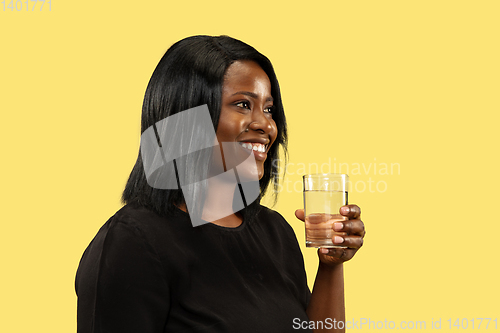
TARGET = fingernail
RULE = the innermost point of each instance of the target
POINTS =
(337, 226)
(338, 239)
(324, 250)
(344, 210)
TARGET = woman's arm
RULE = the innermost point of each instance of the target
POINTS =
(327, 300)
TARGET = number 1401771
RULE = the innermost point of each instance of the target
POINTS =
(27, 5)
(474, 323)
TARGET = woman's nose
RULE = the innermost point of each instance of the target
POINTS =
(261, 122)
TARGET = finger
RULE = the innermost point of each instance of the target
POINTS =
(352, 227)
(352, 242)
(351, 211)
(341, 254)
(299, 213)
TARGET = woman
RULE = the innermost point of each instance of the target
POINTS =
(149, 270)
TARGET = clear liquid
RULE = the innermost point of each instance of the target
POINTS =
(322, 211)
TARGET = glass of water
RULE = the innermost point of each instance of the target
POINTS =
(324, 194)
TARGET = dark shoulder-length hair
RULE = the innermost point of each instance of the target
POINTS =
(191, 73)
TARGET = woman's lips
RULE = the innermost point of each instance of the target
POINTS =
(258, 149)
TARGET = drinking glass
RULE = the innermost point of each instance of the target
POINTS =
(324, 194)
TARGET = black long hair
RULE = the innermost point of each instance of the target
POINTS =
(191, 73)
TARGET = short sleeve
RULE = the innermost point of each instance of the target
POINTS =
(121, 284)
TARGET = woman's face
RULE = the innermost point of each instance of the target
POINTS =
(247, 104)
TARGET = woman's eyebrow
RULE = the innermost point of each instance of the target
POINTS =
(251, 94)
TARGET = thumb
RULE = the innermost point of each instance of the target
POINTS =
(299, 213)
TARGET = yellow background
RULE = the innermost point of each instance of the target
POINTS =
(412, 83)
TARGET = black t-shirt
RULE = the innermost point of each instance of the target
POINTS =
(146, 273)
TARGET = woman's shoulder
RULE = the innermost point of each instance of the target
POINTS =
(273, 219)
(133, 224)
(129, 222)
(145, 219)
(135, 215)
(275, 230)
(132, 232)
(268, 214)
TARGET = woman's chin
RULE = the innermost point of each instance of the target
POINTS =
(250, 174)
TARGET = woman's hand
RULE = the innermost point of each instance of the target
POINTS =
(353, 227)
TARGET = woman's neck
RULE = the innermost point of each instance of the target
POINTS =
(218, 206)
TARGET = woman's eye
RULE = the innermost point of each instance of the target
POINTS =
(269, 109)
(244, 105)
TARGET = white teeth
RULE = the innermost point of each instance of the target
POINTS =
(254, 146)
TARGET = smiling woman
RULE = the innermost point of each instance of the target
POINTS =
(149, 270)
